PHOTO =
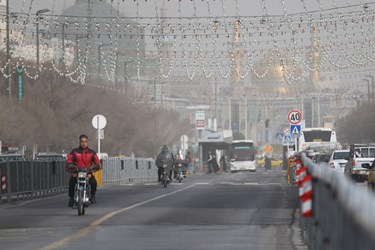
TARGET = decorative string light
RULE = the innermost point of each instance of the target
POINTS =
(345, 38)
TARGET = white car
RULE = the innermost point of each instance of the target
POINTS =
(338, 159)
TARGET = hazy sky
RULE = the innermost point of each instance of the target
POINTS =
(147, 8)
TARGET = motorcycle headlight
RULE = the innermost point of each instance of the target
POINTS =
(82, 174)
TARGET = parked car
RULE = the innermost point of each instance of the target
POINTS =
(50, 157)
(321, 159)
(358, 155)
(338, 159)
(12, 158)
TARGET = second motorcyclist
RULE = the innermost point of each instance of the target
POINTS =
(165, 155)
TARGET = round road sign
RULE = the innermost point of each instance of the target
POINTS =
(294, 116)
(99, 121)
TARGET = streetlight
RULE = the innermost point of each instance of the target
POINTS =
(8, 90)
(37, 34)
(372, 87)
(216, 25)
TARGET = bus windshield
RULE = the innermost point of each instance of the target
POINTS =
(317, 136)
(243, 151)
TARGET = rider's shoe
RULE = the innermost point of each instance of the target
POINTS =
(71, 202)
(93, 199)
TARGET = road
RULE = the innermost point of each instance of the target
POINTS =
(224, 211)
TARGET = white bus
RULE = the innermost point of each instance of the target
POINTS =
(317, 137)
(242, 156)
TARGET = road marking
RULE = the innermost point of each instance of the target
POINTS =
(89, 229)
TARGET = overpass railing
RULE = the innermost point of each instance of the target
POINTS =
(343, 213)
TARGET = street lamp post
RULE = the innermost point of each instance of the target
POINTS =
(372, 87)
(37, 34)
(8, 89)
(368, 89)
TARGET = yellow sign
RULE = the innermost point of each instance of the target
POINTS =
(267, 149)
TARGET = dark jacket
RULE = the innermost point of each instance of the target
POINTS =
(164, 156)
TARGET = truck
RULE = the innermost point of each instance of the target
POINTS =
(359, 154)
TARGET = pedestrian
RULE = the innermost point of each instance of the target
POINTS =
(210, 162)
(267, 163)
(223, 163)
(190, 162)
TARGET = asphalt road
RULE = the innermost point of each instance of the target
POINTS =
(224, 211)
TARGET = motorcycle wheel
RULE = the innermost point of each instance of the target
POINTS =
(81, 207)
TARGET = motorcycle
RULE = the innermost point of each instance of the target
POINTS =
(180, 170)
(166, 165)
(82, 192)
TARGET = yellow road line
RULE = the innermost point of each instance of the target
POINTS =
(87, 230)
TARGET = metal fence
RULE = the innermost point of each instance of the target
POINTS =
(117, 171)
(343, 212)
(31, 179)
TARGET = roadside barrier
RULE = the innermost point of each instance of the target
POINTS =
(118, 171)
(337, 213)
(32, 179)
(36, 179)
(3, 183)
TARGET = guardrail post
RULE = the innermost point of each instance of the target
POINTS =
(9, 182)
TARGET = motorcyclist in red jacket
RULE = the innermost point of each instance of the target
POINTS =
(83, 157)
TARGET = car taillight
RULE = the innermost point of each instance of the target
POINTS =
(353, 163)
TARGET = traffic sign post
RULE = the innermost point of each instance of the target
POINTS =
(294, 116)
(295, 130)
(99, 122)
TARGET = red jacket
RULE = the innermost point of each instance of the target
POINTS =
(83, 158)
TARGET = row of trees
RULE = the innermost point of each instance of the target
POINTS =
(54, 112)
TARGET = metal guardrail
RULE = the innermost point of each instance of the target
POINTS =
(31, 179)
(34, 179)
(343, 213)
(117, 171)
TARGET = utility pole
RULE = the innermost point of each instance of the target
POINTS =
(8, 89)
(63, 43)
(116, 70)
(126, 78)
(372, 87)
(37, 35)
(368, 89)
(99, 60)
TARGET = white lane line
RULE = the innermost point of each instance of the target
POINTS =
(249, 184)
(87, 230)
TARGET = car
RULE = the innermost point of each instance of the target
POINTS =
(358, 155)
(50, 157)
(338, 159)
(12, 158)
(321, 159)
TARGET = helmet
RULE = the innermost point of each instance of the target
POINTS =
(165, 148)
